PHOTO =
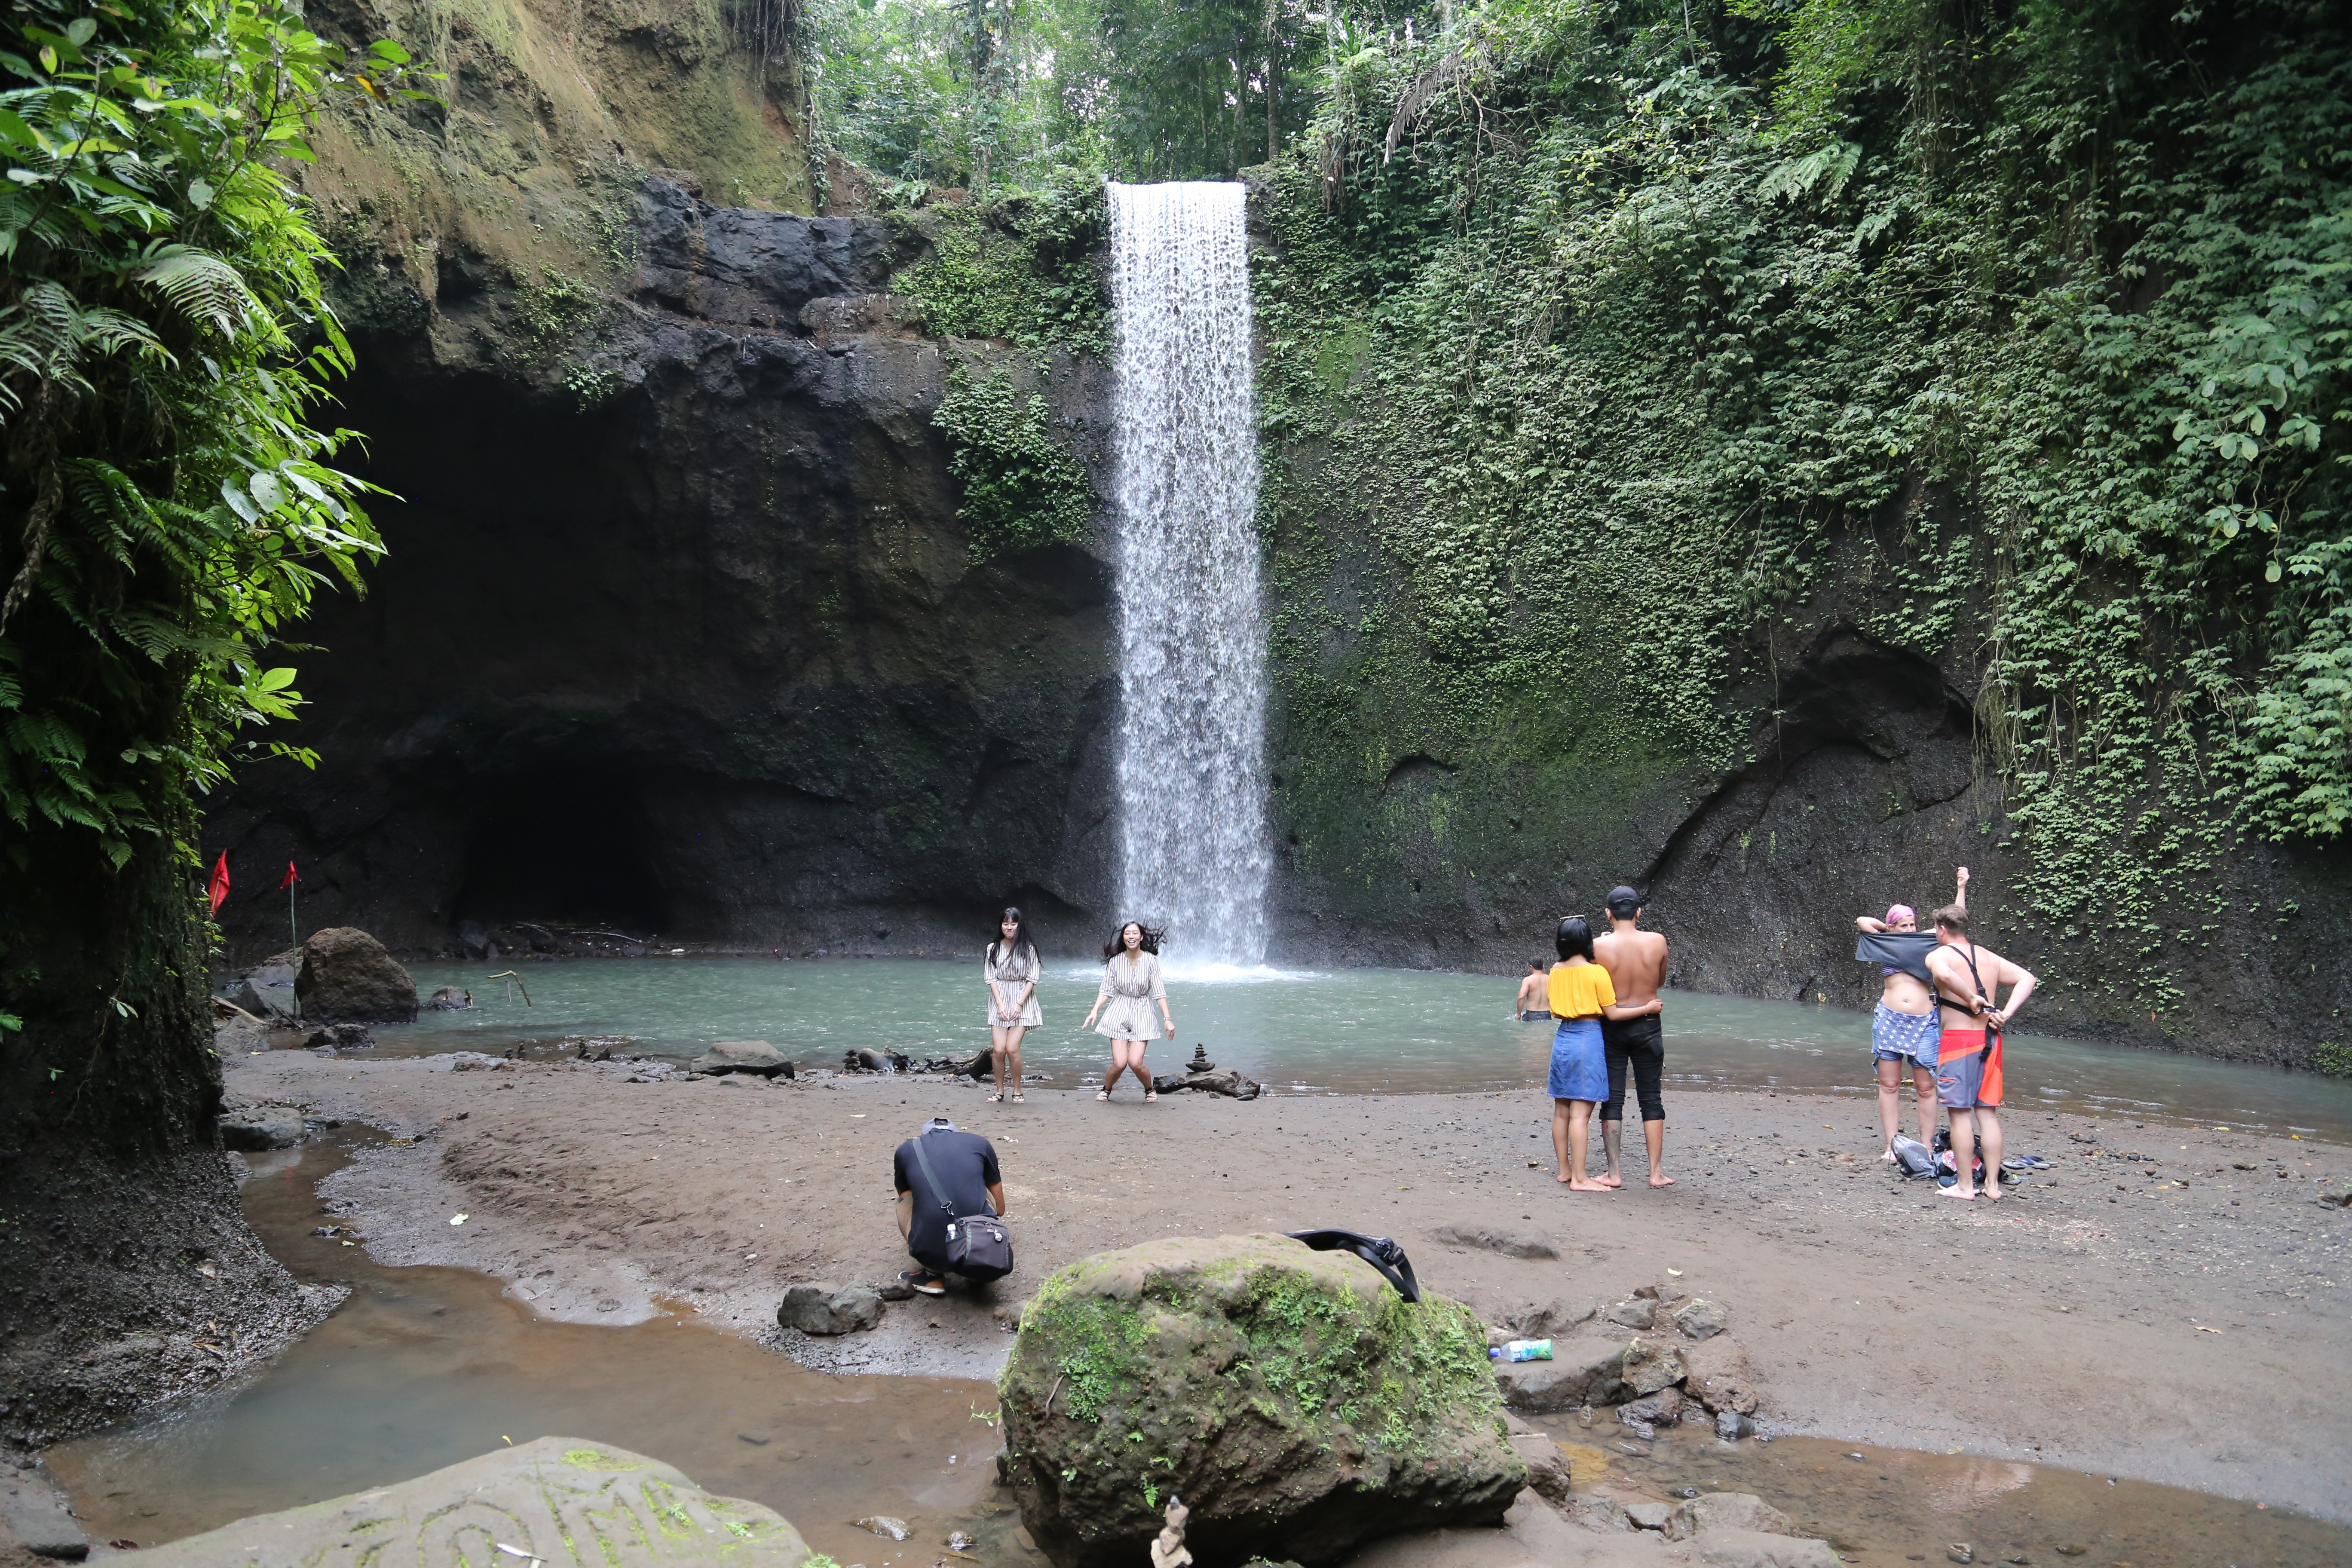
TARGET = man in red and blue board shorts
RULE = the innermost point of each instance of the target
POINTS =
(1969, 979)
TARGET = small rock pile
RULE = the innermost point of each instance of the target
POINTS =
(1201, 1074)
(1679, 1365)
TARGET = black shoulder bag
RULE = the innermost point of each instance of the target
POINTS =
(979, 1246)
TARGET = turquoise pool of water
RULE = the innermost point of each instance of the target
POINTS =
(1362, 1031)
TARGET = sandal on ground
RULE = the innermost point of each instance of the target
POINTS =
(1017, 1100)
(1150, 1095)
(1102, 1094)
(993, 1097)
(925, 1284)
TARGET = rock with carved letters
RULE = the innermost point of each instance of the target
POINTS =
(560, 1502)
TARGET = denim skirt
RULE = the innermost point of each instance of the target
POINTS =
(1579, 1069)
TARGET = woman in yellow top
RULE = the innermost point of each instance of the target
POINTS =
(1581, 995)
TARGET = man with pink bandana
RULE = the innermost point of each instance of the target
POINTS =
(1905, 1029)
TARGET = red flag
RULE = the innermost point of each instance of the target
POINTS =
(219, 888)
(290, 878)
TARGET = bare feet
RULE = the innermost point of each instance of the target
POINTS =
(1889, 1156)
(1660, 1179)
(1612, 1180)
(1954, 1192)
(1562, 1176)
(1582, 1185)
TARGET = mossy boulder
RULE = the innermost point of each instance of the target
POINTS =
(1292, 1398)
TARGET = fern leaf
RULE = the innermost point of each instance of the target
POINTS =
(199, 286)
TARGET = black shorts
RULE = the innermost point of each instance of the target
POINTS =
(1641, 1043)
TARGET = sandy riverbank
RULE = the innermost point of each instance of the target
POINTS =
(2174, 1319)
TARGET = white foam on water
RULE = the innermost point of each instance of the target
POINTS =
(1193, 852)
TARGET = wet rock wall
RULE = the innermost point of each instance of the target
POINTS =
(702, 651)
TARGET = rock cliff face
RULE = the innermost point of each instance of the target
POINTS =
(680, 631)
(1460, 757)
(681, 634)
(708, 657)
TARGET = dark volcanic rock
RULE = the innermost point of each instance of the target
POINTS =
(721, 665)
(827, 1309)
(347, 976)
(261, 1128)
(1584, 1370)
(736, 264)
(1231, 1084)
(757, 1057)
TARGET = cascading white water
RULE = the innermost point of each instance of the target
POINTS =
(1192, 666)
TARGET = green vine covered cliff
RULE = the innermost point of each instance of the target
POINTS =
(1619, 360)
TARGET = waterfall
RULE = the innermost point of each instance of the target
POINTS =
(1192, 644)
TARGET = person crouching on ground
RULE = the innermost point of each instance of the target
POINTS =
(1580, 996)
(965, 1165)
(1903, 1029)
(1968, 1070)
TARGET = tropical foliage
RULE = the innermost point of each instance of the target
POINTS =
(167, 506)
(993, 96)
(2022, 328)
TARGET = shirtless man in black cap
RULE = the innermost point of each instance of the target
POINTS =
(1636, 962)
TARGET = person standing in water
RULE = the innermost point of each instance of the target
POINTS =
(1130, 985)
(1011, 968)
(1531, 1004)
(1903, 1028)
(1636, 962)
(1580, 997)
(1967, 1067)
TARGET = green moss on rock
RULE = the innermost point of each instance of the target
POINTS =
(1295, 1401)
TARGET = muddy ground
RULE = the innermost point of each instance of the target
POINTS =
(2179, 1318)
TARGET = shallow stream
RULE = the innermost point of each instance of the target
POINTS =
(1376, 1031)
(424, 1367)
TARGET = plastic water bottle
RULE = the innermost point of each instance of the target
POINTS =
(1522, 1350)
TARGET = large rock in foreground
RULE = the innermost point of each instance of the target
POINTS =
(568, 1503)
(1292, 1398)
(347, 977)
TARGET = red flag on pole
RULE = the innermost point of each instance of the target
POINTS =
(290, 878)
(219, 888)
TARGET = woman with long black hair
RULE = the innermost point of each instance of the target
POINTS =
(1011, 968)
(1130, 985)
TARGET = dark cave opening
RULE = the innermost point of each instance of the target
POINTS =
(571, 842)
